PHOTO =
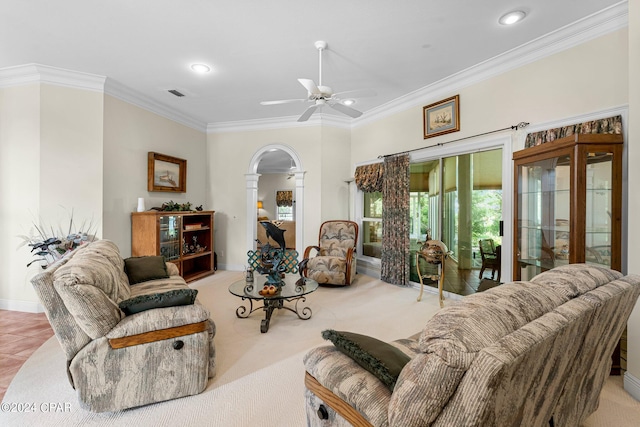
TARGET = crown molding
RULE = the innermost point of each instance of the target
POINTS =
(131, 96)
(593, 26)
(598, 24)
(37, 73)
(279, 123)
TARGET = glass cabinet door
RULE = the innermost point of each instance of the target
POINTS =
(170, 237)
(543, 201)
(569, 204)
(599, 230)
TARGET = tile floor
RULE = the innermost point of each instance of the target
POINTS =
(20, 335)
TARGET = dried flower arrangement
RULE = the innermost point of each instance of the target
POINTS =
(49, 244)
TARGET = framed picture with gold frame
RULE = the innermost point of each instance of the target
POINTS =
(441, 117)
(166, 173)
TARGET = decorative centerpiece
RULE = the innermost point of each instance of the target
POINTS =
(172, 206)
(271, 259)
(434, 251)
(49, 246)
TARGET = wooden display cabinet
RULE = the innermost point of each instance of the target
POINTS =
(568, 206)
(183, 238)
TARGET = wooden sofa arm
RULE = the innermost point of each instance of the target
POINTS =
(351, 254)
(341, 407)
(159, 335)
(307, 251)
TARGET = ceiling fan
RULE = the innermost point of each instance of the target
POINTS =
(321, 95)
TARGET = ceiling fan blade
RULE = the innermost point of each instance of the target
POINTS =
(282, 101)
(361, 93)
(310, 86)
(346, 110)
(307, 113)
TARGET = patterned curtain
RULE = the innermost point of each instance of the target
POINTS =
(368, 178)
(284, 198)
(395, 220)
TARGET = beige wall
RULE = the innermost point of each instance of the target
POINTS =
(230, 155)
(130, 132)
(563, 85)
(71, 145)
(19, 198)
(336, 169)
(51, 166)
(632, 383)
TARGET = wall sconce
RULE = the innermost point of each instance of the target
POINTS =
(260, 206)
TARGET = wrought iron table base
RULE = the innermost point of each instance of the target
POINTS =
(270, 304)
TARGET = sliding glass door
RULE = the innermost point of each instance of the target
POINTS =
(458, 200)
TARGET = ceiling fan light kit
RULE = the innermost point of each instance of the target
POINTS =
(321, 95)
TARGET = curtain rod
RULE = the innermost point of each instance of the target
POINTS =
(520, 125)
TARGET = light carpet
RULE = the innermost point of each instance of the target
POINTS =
(259, 379)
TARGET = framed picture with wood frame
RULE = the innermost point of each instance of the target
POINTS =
(441, 117)
(166, 173)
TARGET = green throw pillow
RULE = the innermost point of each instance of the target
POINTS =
(381, 359)
(172, 298)
(143, 268)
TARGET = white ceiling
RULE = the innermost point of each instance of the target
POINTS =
(258, 49)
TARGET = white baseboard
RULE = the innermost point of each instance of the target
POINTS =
(632, 385)
(231, 267)
(18, 305)
(368, 266)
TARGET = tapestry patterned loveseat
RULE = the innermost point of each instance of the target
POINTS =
(121, 353)
(529, 354)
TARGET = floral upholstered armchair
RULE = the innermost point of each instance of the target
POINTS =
(335, 259)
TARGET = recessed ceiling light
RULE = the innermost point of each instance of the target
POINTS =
(200, 68)
(512, 17)
(349, 102)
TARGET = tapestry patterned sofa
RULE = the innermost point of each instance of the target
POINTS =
(126, 344)
(529, 354)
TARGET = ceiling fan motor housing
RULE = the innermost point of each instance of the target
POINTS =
(325, 91)
(320, 45)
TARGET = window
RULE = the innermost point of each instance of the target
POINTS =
(285, 213)
(372, 224)
(284, 205)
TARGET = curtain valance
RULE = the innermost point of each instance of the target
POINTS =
(608, 125)
(368, 178)
(284, 198)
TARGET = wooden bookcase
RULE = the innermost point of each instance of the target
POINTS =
(183, 238)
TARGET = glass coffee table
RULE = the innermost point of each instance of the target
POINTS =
(295, 289)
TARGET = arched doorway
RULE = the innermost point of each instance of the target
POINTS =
(252, 177)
